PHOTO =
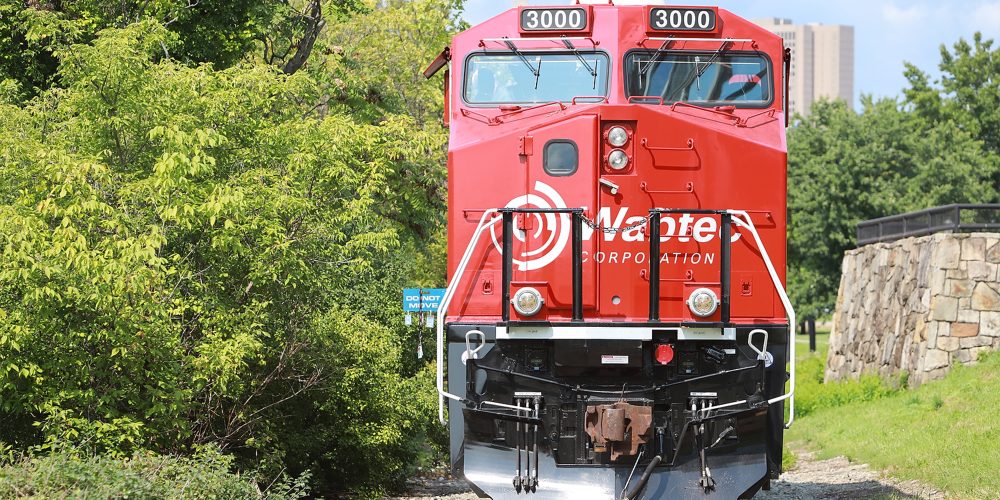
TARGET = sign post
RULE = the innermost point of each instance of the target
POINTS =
(424, 302)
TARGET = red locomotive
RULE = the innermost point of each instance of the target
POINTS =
(616, 322)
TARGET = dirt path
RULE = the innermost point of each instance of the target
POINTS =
(838, 478)
(832, 479)
(442, 487)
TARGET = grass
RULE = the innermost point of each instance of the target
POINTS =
(945, 433)
(811, 394)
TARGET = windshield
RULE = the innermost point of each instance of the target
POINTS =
(506, 78)
(743, 80)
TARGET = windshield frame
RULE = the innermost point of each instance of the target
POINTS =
(626, 76)
(606, 93)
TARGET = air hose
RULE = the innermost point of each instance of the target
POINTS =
(636, 489)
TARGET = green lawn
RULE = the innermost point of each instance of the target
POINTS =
(945, 433)
(802, 344)
(811, 394)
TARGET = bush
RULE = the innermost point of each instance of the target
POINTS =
(362, 428)
(194, 256)
(812, 394)
(69, 473)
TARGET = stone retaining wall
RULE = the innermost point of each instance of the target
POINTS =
(919, 305)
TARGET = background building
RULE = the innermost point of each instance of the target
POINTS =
(822, 61)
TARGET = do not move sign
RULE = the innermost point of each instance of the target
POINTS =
(422, 299)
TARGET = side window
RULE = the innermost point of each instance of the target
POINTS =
(560, 157)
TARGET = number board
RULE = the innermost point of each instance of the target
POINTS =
(564, 19)
(682, 19)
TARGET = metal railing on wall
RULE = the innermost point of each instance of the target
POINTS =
(953, 218)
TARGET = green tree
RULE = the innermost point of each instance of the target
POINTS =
(371, 65)
(967, 94)
(29, 38)
(938, 145)
(194, 255)
(846, 167)
(219, 32)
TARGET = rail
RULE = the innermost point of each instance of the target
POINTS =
(676, 39)
(738, 217)
(954, 218)
(725, 242)
(742, 219)
(446, 301)
(508, 257)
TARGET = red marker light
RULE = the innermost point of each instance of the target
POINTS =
(664, 354)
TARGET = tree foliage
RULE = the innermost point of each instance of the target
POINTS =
(210, 253)
(223, 33)
(935, 147)
(967, 94)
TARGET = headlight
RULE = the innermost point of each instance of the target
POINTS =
(618, 160)
(617, 136)
(527, 301)
(703, 302)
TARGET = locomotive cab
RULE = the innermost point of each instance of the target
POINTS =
(615, 322)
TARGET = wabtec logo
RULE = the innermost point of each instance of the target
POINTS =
(684, 227)
(549, 233)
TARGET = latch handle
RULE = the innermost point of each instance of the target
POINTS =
(471, 353)
(762, 354)
(614, 188)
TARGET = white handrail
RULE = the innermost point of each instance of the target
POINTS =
(538, 39)
(674, 39)
(446, 300)
(789, 310)
(790, 395)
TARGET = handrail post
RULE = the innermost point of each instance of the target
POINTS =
(654, 265)
(577, 226)
(508, 263)
(725, 273)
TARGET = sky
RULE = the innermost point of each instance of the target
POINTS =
(886, 32)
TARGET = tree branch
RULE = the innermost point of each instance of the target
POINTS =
(313, 25)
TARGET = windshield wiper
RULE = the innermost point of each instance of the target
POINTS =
(656, 55)
(535, 71)
(715, 57)
(570, 46)
(700, 69)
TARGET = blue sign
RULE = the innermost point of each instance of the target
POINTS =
(422, 299)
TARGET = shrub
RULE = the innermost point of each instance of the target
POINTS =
(70, 473)
(812, 394)
(179, 253)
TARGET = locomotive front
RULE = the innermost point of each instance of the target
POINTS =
(615, 323)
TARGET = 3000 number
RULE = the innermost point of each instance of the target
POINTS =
(553, 19)
(682, 19)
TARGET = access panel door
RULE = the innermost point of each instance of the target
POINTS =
(562, 172)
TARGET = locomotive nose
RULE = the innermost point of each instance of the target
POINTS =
(597, 165)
